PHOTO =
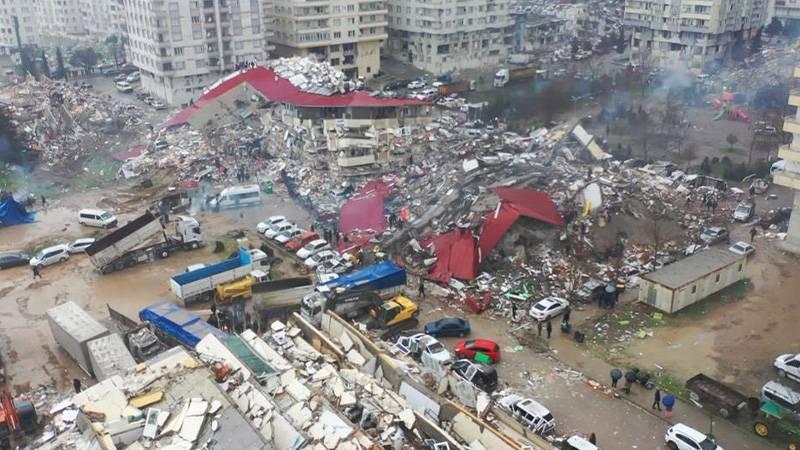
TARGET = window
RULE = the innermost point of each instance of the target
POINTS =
(334, 61)
(195, 19)
(337, 34)
(167, 66)
(180, 65)
(694, 289)
(740, 268)
(238, 45)
(351, 33)
(178, 51)
(717, 280)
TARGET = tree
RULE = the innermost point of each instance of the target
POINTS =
(775, 27)
(689, 154)
(731, 139)
(85, 57)
(62, 72)
(13, 148)
(27, 60)
(755, 43)
(705, 166)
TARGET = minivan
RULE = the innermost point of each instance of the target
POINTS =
(50, 255)
(237, 196)
(96, 218)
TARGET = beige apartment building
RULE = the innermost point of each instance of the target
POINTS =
(693, 33)
(102, 18)
(60, 18)
(26, 13)
(183, 46)
(787, 173)
(346, 34)
(442, 36)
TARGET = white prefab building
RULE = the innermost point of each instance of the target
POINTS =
(690, 280)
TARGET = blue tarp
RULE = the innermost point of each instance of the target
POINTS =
(185, 326)
(13, 213)
(377, 276)
(242, 259)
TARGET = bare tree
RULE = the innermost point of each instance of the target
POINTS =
(731, 139)
(689, 154)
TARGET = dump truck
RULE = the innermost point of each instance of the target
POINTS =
(504, 76)
(457, 87)
(384, 279)
(143, 240)
(200, 285)
(277, 299)
(348, 304)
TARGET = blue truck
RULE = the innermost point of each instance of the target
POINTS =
(198, 285)
(347, 294)
(183, 326)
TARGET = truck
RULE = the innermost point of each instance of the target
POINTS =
(200, 285)
(143, 240)
(277, 299)
(504, 76)
(393, 316)
(175, 324)
(457, 87)
(384, 279)
(711, 394)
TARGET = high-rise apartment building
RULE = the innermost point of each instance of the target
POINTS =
(446, 35)
(102, 18)
(787, 11)
(789, 173)
(60, 18)
(25, 12)
(182, 46)
(346, 34)
(692, 33)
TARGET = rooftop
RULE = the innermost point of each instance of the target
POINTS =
(693, 268)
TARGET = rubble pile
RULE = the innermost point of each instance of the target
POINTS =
(309, 75)
(63, 122)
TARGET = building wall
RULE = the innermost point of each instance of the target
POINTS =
(670, 301)
(790, 175)
(347, 34)
(26, 13)
(449, 35)
(60, 18)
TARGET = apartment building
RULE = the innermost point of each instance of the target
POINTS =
(60, 18)
(346, 34)
(693, 33)
(183, 46)
(787, 172)
(25, 12)
(102, 18)
(448, 35)
(787, 11)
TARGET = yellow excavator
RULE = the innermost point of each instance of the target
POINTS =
(394, 316)
(238, 289)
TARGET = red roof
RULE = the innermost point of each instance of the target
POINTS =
(278, 89)
(533, 204)
(456, 256)
(362, 213)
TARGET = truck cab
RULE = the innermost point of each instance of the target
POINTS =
(502, 77)
(187, 231)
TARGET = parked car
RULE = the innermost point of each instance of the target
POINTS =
(742, 248)
(416, 84)
(530, 413)
(590, 291)
(714, 235)
(133, 77)
(124, 87)
(158, 105)
(262, 227)
(578, 443)
(79, 245)
(13, 258)
(279, 228)
(417, 344)
(744, 211)
(482, 377)
(96, 218)
(334, 266)
(788, 366)
(449, 326)
(288, 235)
(313, 248)
(51, 255)
(684, 437)
(469, 348)
(318, 258)
(120, 77)
(300, 241)
(548, 308)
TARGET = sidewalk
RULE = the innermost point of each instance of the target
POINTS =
(729, 435)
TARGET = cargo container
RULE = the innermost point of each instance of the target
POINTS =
(199, 285)
(109, 356)
(73, 329)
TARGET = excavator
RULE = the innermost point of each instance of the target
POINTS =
(16, 415)
(394, 316)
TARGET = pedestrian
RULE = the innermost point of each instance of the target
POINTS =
(752, 191)
(753, 233)
(657, 400)
(589, 173)
(539, 328)
(713, 205)
(76, 383)
(616, 374)
(241, 217)
(593, 439)
(36, 268)
(513, 311)
(567, 312)
(312, 227)
(669, 403)
(630, 377)
(421, 291)
(44, 202)
(549, 328)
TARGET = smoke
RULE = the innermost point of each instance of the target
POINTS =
(678, 80)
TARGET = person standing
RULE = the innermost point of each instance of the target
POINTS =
(36, 268)
(616, 374)
(421, 291)
(539, 328)
(44, 202)
(593, 439)
(669, 403)
(567, 312)
(753, 233)
(549, 328)
(657, 400)
(76, 384)
(513, 311)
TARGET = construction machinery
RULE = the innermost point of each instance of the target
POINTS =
(17, 415)
(394, 316)
(239, 289)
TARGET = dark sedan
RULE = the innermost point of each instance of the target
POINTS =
(449, 326)
(13, 258)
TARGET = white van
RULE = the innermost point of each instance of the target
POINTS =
(96, 218)
(237, 196)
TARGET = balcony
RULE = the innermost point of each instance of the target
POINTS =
(787, 152)
(788, 179)
(343, 160)
(797, 72)
(794, 97)
(791, 125)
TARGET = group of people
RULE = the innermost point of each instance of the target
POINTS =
(708, 201)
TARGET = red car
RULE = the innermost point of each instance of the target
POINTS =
(300, 241)
(468, 348)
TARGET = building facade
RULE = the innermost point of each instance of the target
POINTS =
(789, 174)
(346, 34)
(60, 18)
(26, 13)
(787, 11)
(443, 36)
(103, 18)
(693, 33)
(183, 46)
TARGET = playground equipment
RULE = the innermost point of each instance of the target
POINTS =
(725, 108)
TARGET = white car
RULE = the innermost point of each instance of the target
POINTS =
(288, 235)
(788, 366)
(437, 84)
(51, 255)
(278, 228)
(416, 84)
(313, 248)
(548, 307)
(415, 345)
(79, 245)
(742, 248)
(333, 266)
(578, 443)
(683, 437)
(265, 225)
(133, 77)
(318, 258)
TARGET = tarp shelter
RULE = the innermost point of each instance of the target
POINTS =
(457, 256)
(13, 213)
(363, 213)
(514, 203)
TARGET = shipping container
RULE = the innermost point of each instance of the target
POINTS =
(72, 329)
(109, 356)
